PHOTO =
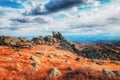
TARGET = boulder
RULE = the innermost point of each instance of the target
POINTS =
(53, 73)
(35, 59)
(14, 42)
(108, 73)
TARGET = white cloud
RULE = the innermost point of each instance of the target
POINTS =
(102, 19)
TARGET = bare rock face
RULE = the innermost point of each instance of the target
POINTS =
(53, 73)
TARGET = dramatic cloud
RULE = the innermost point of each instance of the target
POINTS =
(56, 5)
(71, 17)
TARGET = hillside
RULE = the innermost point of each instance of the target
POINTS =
(50, 59)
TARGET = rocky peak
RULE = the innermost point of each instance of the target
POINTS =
(49, 39)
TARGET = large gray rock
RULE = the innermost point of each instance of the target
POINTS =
(53, 73)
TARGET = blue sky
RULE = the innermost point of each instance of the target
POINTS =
(81, 19)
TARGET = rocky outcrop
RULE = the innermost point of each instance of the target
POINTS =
(58, 36)
(50, 40)
(23, 42)
(15, 42)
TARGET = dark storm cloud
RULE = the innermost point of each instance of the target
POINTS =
(54, 5)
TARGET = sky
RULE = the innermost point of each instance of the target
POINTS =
(76, 19)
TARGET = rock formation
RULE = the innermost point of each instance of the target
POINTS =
(15, 42)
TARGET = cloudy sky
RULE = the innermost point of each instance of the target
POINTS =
(76, 19)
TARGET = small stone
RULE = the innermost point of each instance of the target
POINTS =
(40, 53)
(50, 56)
(55, 54)
(19, 53)
(67, 62)
(77, 59)
(33, 64)
(35, 59)
(67, 56)
(69, 68)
